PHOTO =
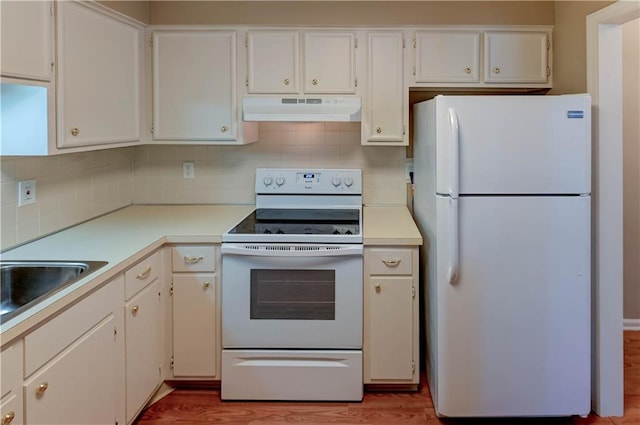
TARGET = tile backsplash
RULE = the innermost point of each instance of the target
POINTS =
(72, 188)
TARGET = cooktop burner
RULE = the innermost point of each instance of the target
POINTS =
(300, 222)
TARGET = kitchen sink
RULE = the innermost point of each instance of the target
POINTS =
(26, 283)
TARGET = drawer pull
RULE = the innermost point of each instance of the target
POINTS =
(41, 389)
(8, 418)
(391, 262)
(378, 288)
(192, 260)
(135, 309)
(206, 285)
(144, 274)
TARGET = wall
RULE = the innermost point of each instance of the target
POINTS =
(631, 168)
(69, 189)
(136, 9)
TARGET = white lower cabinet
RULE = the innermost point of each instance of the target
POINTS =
(11, 401)
(391, 312)
(196, 313)
(143, 347)
(73, 364)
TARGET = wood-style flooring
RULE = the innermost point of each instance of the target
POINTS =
(203, 406)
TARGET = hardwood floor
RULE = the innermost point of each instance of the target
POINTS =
(203, 406)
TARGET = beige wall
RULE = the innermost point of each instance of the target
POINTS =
(631, 167)
(351, 12)
(137, 9)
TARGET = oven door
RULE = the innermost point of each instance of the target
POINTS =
(292, 296)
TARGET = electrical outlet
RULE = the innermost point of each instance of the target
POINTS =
(26, 192)
(188, 170)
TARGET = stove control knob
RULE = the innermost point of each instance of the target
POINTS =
(280, 180)
(279, 232)
(348, 181)
(336, 181)
(348, 232)
(336, 232)
(267, 181)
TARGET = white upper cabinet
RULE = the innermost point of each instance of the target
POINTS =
(384, 118)
(516, 57)
(194, 86)
(328, 64)
(99, 77)
(272, 62)
(447, 56)
(26, 37)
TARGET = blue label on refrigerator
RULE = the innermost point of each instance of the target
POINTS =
(575, 114)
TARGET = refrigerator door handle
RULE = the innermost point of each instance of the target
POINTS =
(454, 229)
(455, 154)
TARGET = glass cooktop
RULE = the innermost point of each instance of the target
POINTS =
(300, 221)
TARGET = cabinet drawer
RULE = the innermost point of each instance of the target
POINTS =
(389, 261)
(11, 364)
(44, 343)
(143, 273)
(194, 258)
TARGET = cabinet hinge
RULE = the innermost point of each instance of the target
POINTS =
(151, 41)
(548, 45)
(414, 70)
(404, 130)
(403, 43)
(246, 41)
(414, 42)
(171, 364)
(115, 331)
(53, 65)
(171, 289)
(356, 82)
(355, 43)
(413, 288)
(246, 82)
(548, 71)
(413, 366)
(152, 129)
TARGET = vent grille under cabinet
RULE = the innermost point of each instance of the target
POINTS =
(290, 248)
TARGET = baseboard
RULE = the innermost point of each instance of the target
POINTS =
(631, 324)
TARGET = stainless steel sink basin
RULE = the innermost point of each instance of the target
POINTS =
(26, 283)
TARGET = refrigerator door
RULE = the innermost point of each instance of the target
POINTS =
(513, 329)
(513, 144)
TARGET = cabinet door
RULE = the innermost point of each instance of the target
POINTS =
(386, 98)
(447, 56)
(79, 385)
(99, 64)
(26, 37)
(11, 400)
(516, 57)
(390, 321)
(272, 62)
(195, 348)
(194, 85)
(143, 347)
(329, 62)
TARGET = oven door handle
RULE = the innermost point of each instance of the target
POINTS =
(290, 250)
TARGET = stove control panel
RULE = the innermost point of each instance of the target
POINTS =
(316, 181)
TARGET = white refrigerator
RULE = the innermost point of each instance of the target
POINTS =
(502, 197)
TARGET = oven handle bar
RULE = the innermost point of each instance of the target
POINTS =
(290, 250)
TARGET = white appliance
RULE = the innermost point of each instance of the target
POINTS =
(292, 289)
(502, 195)
(305, 109)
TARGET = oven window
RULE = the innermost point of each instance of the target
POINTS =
(293, 294)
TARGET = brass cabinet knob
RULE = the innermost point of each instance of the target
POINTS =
(496, 70)
(42, 388)
(190, 259)
(224, 129)
(378, 130)
(206, 285)
(8, 418)
(467, 70)
(378, 288)
(391, 262)
(135, 309)
(314, 82)
(286, 81)
(75, 131)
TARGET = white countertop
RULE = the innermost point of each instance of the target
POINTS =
(126, 236)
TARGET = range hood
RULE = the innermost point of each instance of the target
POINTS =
(301, 109)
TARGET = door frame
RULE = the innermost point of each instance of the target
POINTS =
(604, 83)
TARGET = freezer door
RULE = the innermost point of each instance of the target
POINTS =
(513, 144)
(513, 329)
